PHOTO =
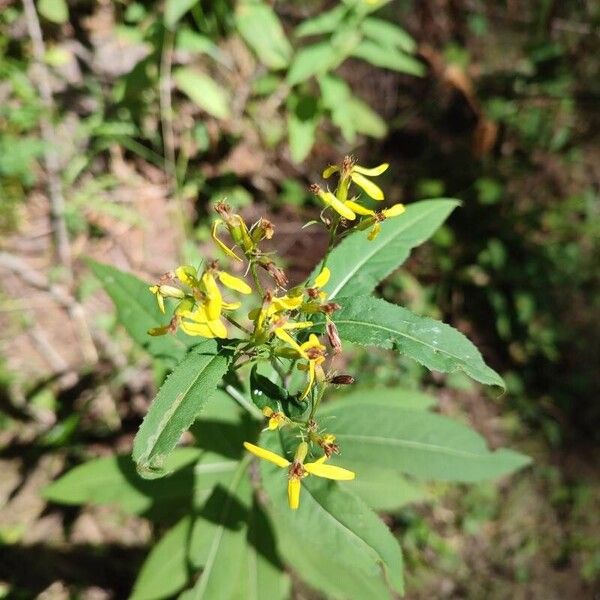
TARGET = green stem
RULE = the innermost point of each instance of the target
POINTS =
(236, 324)
(254, 272)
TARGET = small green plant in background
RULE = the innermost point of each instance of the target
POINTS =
(252, 371)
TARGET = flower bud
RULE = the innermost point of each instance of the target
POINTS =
(329, 308)
(334, 337)
(263, 230)
(342, 380)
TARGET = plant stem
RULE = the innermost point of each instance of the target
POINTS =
(236, 324)
(254, 272)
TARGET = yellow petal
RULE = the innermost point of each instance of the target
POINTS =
(329, 471)
(200, 329)
(394, 211)
(218, 328)
(234, 283)
(299, 325)
(311, 379)
(322, 278)
(338, 206)
(374, 232)
(358, 209)
(187, 274)
(273, 424)
(219, 243)
(288, 339)
(329, 171)
(372, 190)
(231, 305)
(313, 342)
(373, 172)
(267, 455)
(294, 486)
(215, 300)
(267, 411)
(161, 303)
(286, 303)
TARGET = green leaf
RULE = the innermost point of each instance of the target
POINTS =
(114, 481)
(179, 401)
(323, 23)
(165, 570)
(218, 540)
(175, 9)
(137, 312)
(322, 57)
(388, 58)
(417, 443)
(333, 540)
(261, 29)
(365, 120)
(266, 393)
(371, 321)
(384, 490)
(303, 118)
(357, 265)
(312, 60)
(392, 396)
(56, 11)
(388, 34)
(263, 577)
(204, 91)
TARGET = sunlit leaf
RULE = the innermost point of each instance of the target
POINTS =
(261, 29)
(204, 91)
(418, 443)
(179, 401)
(357, 265)
(371, 321)
(56, 11)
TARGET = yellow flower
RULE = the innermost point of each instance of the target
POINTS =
(315, 293)
(205, 319)
(359, 175)
(237, 230)
(375, 217)
(332, 201)
(298, 469)
(276, 418)
(312, 351)
(165, 291)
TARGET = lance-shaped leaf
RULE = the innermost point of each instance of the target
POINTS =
(218, 540)
(179, 401)
(388, 396)
(261, 29)
(371, 321)
(334, 541)
(418, 443)
(262, 576)
(137, 311)
(357, 265)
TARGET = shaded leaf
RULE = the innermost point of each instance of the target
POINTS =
(165, 570)
(371, 321)
(303, 118)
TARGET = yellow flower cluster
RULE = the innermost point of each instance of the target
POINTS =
(280, 321)
(349, 208)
